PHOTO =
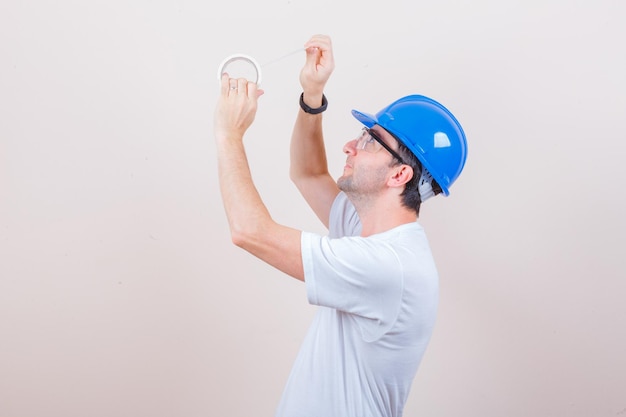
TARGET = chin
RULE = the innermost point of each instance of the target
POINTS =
(344, 183)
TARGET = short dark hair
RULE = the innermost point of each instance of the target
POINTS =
(410, 195)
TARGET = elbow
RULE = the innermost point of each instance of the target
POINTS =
(294, 175)
(248, 235)
(297, 178)
(239, 238)
(250, 230)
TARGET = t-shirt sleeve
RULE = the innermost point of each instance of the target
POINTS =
(360, 276)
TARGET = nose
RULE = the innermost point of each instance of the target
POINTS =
(350, 147)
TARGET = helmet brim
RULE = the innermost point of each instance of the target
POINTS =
(367, 119)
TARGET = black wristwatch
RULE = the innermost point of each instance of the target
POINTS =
(311, 110)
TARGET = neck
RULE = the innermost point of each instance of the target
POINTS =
(381, 214)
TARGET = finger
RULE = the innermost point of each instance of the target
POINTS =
(242, 85)
(322, 42)
(252, 89)
(319, 52)
(312, 56)
(232, 86)
(224, 84)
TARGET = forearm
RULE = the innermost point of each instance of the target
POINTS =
(307, 150)
(308, 155)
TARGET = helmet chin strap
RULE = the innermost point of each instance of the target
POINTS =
(425, 186)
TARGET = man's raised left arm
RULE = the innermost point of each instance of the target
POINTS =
(251, 225)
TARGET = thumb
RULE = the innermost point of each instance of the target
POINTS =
(312, 55)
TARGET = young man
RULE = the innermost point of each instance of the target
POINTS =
(373, 277)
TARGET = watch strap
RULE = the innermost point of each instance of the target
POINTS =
(311, 110)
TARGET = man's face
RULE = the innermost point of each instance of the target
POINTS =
(367, 163)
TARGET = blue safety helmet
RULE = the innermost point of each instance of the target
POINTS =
(429, 130)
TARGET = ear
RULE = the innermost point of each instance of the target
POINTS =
(401, 175)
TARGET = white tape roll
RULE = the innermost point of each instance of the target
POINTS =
(240, 57)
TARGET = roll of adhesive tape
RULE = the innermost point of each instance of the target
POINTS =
(240, 57)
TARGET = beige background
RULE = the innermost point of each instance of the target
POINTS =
(120, 293)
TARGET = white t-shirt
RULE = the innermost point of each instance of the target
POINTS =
(378, 298)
